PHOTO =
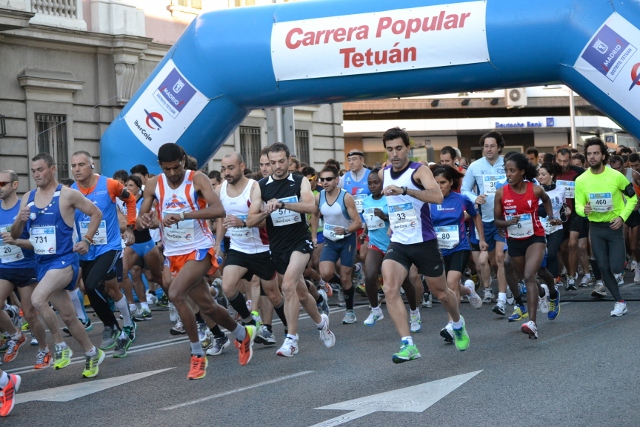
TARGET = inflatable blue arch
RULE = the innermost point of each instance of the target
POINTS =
(230, 62)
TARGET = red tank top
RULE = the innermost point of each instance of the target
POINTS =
(523, 205)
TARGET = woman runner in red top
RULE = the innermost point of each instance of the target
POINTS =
(516, 209)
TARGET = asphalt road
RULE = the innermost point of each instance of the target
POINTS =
(582, 371)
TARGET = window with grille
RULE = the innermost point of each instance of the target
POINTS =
(302, 145)
(51, 138)
(250, 147)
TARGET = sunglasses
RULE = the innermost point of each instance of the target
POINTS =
(3, 183)
(331, 178)
(311, 178)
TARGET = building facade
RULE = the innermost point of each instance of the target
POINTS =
(68, 67)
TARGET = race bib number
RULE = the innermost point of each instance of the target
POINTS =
(521, 230)
(43, 240)
(548, 228)
(490, 183)
(373, 222)
(100, 238)
(569, 188)
(283, 217)
(180, 232)
(448, 236)
(601, 202)
(402, 216)
(241, 233)
(329, 233)
(359, 198)
(9, 253)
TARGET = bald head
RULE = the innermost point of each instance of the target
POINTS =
(232, 167)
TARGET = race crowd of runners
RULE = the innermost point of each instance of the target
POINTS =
(224, 251)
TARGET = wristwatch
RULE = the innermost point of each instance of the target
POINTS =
(404, 191)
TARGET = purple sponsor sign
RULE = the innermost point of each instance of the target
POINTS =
(176, 91)
(607, 52)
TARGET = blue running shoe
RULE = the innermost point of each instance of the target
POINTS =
(519, 313)
(554, 306)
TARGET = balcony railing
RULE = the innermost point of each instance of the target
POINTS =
(58, 8)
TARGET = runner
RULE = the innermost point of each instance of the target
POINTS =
(341, 222)
(186, 200)
(449, 225)
(486, 175)
(287, 198)
(48, 214)
(517, 203)
(18, 270)
(99, 263)
(409, 188)
(599, 197)
(249, 250)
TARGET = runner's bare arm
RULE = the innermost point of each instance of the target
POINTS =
(307, 203)
(256, 214)
(497, 212)
(214, 209)
(350, 204)
(424, 177)
(21, 219)
(315, 220)
(145, 218)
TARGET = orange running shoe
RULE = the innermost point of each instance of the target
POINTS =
(245, 348)
(328, 289)
(198, 368)
(7, 400)
(43, 359)
(12, 348)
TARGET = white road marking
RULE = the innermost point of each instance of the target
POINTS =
(75, 391)
(238, 390)
(416, 398)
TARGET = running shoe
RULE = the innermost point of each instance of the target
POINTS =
(407, 353)
(636, 276)
(151, 298)
(358, 275)
(326, 336)
(43, 359)
(341, 302)
(323, 307)
(173, 313)
(198, 367)
(142, 314)
(245, 348)
(219, 344)
(360, 290)
(131, 331)
(488, 296)
(519, 313)
(375, 315)
(554, 306)
(620, 278)
(61, 357)
(122, 345)
(461, 337)
(522, 287)
(25, 327)
(7, 399)
(327, 288)
(163, 301)
(415, 322)
(92, 364)
(631, 266)
(619, 309)
(86, 323)
(500, 307)
(289, 347)
(543, 301)
(267, 337)
(599, 291)
(178, 328)
(510, 298)
(571, 283)
(447, 333)
(586, 280)
(349, 317)
(4, 343)
(427, 300)
(34, 341)
(530, 329)
(473, 298)
(381, 297)
(202, 330)
(109, 338)
(14, 314)
(12, 348)
(207, 342)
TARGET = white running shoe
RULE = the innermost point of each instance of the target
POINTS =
(619, 309)
(488, 296)
(326, 336)
(473, 298)
(543, 301)
(375, 315)
(427, 300)
(636, 276)
(349, 317)
(289, 348)
(530, 329)
(620, 278)
(415, 322)
(586, 280)
(173, 313)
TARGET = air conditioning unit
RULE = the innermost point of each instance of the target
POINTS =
(515, 98)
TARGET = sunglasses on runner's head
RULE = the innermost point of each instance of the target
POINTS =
(3, 183)
(311, 178)
(329, 179)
